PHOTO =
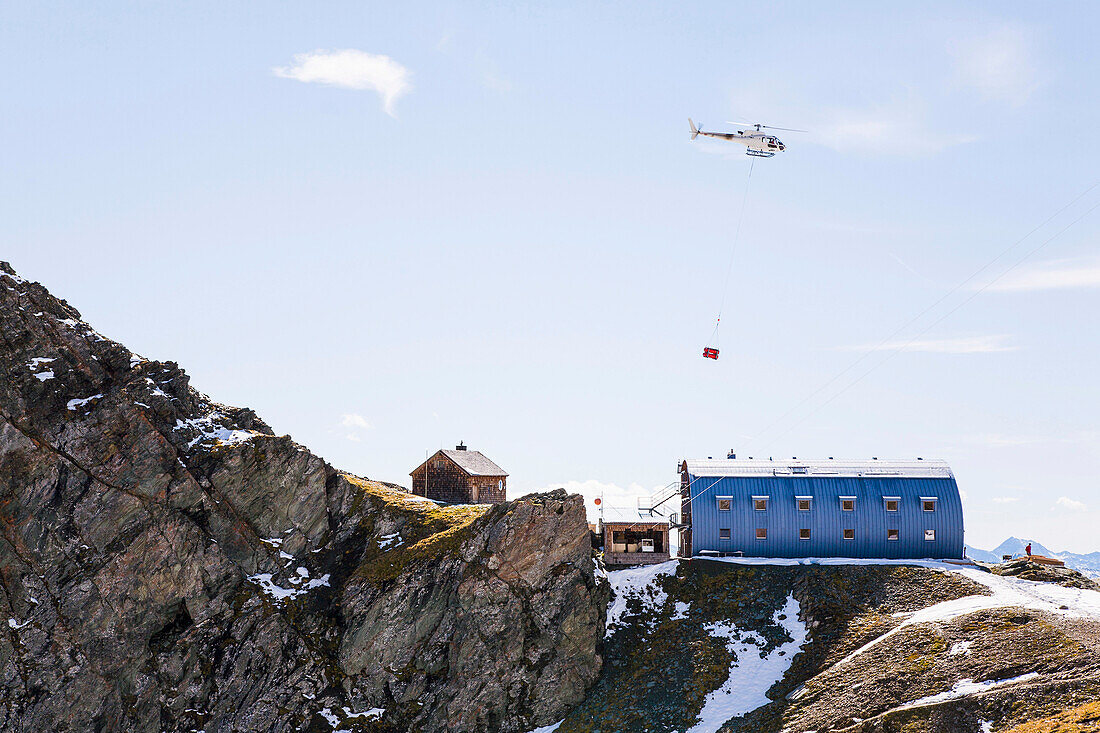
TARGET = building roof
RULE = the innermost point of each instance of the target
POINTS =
(761, 467)
(474, 462)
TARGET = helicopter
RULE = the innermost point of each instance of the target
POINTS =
(758, 143)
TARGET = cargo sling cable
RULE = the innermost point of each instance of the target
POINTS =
(711, 349)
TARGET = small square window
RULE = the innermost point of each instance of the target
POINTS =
(849, 534)
(803, 534)
(891, 505)
(761, 533)
(804, 505)
(929, 505)
(930, 535)
(760, 505)
(724, 505)
(723, 534)
(848, 505)
(892, 534)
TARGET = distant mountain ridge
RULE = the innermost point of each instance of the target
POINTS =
(1088, 564)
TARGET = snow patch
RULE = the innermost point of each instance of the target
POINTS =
(681, 611)
(39, 360)
(334, 720)
(548, 728)
(966, 687)
(207, 429)
(157, 391)
(279, 593)
(390, 540)
(639, 584)
(43, 376)
(12, 623)
(601, 572)
(753, 673)
(961, 647)
(75, 403)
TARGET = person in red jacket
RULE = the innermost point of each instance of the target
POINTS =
(1028, 549)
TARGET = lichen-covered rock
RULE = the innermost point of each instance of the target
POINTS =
(1026, 569)
(168, 563)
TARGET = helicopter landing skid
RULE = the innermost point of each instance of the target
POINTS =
(759, 153)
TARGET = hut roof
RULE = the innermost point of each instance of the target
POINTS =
(474, 462)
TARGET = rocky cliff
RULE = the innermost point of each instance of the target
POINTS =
(168, 563)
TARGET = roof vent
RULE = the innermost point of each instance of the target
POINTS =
(460, 446)
(874, 458)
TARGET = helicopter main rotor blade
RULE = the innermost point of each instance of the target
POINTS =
(766, 127)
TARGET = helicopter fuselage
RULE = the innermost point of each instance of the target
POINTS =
(758, 143)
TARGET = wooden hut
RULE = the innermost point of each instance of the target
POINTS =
(460, 476)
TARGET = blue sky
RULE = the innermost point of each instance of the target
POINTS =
(501, 233)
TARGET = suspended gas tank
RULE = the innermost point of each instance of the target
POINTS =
(709, 353)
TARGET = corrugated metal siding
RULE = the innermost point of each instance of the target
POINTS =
(825, 520)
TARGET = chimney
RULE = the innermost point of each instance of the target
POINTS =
(731, 455)
(460, 446)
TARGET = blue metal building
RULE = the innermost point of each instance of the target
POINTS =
(859, 509)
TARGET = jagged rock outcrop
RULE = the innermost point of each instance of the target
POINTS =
(168, 563)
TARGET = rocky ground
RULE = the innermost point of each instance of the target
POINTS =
(888, 648)
(1022, 568)
(168, 563)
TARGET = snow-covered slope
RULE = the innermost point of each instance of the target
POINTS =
(749, 644)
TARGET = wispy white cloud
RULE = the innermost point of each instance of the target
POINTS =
(357, 425)
(351, 68)
(967, 345)
(1005, 499)
(355, 421)
(1052, 275)
(898, 127)
(998, 65)
(1065, 502)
